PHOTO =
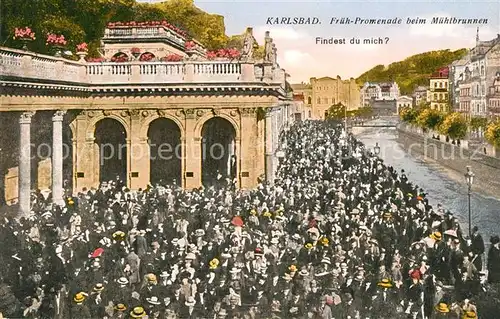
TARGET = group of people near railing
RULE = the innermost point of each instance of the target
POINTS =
(337, 235)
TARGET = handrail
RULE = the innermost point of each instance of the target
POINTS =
(29, 65)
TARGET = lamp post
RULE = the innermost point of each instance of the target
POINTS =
(469, 179)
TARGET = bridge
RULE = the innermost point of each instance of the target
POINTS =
(383, 121)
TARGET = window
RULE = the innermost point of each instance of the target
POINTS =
(318, 100)
(309, 100)
(435, 97)
(477, 89)
(435, 84)
(325, 100)
(482, 69)
(440, 84)
(483, 90)
(446, 96)
(440, 96)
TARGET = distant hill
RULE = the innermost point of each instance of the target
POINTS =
(412, 71)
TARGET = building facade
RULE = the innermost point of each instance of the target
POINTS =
(478, 77)
(140, 122)
(456, 69)
(438, 94)
(404, 101)
(326, 91)
(419, 95)
(384, 91)
(494, 97)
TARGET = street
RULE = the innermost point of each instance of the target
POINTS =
(441, 184)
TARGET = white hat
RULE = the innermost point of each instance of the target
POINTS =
(190, 256)
(190, 301)
(153, 300)
(235, 270)
(122, 281)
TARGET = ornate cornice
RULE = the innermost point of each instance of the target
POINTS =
(248, 111)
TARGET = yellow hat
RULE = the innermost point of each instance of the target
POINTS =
(138, 312)
(214, 263)
(151, 277)
(292, 268)
(436, 236)
(325, 241)
(253, 212)
(118, 235)
(120, 307)
(309, 246)
(79, 297)
(385, 283)
(267, 214)
(387, 215)
(442, 308)
(470, 315)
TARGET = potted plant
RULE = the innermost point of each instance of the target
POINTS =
(172, 58)
(24, 35)
(119, 58)
(135, 52)
(57, 42)
(82, 51)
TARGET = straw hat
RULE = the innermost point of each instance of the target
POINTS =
(119, 235)
(470, 315)
(79, 298)
(442, 308)
(153, 300)
(190, 301)
(151, 277)
(98, 287)
(122, 281)
(436, 236)
(385, 283)
(138, 312)
(120, 307)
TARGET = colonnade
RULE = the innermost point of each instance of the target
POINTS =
(24, 173)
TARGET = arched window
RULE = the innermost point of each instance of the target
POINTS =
(309, 100)
(477, 89)
(482, 69)
(440, 84)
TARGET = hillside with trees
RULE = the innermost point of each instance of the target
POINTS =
(85, 20)
(412, 71)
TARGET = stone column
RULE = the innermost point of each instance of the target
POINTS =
(269, 145)
(192, 160)
(249, 158)
(24, 179)
(57, 158)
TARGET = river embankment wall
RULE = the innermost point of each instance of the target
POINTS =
(486, 168)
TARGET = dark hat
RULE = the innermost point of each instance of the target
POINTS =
(495, 240)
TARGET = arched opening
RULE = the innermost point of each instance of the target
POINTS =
(120, 57)
(218, 151)
(164, 137)
(147, 56)
(111, 138)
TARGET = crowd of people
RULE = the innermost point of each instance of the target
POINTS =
(338, 234)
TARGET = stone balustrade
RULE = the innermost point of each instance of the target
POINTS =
(17, 65)
(153, 32)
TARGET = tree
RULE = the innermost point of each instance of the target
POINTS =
(478, 122)
(454, 126)
(493, 133)
(430, 119)
(336, 112)
(408, 114)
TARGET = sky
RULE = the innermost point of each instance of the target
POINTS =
(302, 58)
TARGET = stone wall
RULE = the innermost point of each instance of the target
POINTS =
(486, 168)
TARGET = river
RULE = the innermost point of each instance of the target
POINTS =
(441, 184)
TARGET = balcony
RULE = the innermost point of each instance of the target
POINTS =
(29, 67)
(138, 33)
